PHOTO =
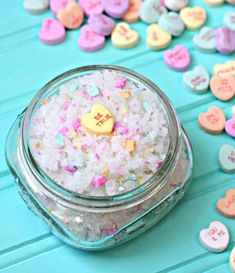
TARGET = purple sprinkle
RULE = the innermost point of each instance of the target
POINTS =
(71, 169)
(76, 124)
(63, 131)
(159, 164)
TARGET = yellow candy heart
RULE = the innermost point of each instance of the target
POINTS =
(99, 121)
(157, 38)
(123, 37)
(194, 17)
(214, 3)
(226, 68)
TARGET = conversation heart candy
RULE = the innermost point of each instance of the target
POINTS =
(197, 80)
(225, 40)
(214, 3)
(116, 8)
(52, 32)
(151, 10)
(172, 23)
(71, 16)
(230, 127)
(205, 40)
(193, 17)
(212, 121)
(232, 260)
(123, 37)
(215, 238)
(89, 40)
(157, 38)
(91, 7)
(232, 2)
(226, 205)
(133, 13)
(99, 121)
(56, 5)
(101, 24)
(227, 158)
(223, 87)
(36, 6)
(229, 20)
(224, 69)
(176, 5)
(178, 58)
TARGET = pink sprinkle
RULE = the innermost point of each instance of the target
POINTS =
(84, 92)
(99, 181)
(137, 130)
(74, 105)
(120, 83)
(120, 170)
(63, 118)
(117, 125)
(92, 98)
(125, 131)
(147, 162)
(85, 146)
(76, 124)
(138, 207)
(97, 156)
(65, 106)
(71, 169)
(63, 131)
(111, 230)
(159, 163)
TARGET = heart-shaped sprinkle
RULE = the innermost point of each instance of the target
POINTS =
(225, 40)
(205, 40)
(227, 158)
(215, 238)
(223, 87)
(151, 10)
(116, 8)
(226, 205)
(56, 5)
(232, 260)
(193, 17)
(123, 37)
(229, 20)
(91, 7)
(36, 6)
(99, 121)
(93, 91)
(172, 23)
(224, 69)
(197, 80)
(98, 181)
(212, 121)
(176, 5)
(230, 127)
(90, 41)
(157, 38)
(101, 24)
(52, 32)
(133, 12)
(214, 3)
(71, 16)
(177, 58)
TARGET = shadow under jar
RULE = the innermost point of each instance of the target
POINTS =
(101, 217)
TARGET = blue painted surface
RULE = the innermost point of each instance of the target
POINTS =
(172, 246)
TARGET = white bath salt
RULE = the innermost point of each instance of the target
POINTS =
(100, 135)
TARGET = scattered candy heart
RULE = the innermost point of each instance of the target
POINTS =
(176, 5)
(52, 32)
(212, 121)
(193, 17)
(157, 38)
(225, 40)
(36, 6)
(101, 24)
(226, 205)
(232, 260)
(227, 158)
(116, 8)
(91, 7)
(177, 58)
(56, 5)
(130, 145)
(214, 3)
(216, 237)
(224, 69)
(232, 2)
(123, 37)
(133, 12)
(172, 23)
(223, 87)
(151, 10)
(89, 40)
(99, 121)
(205, 40)
(229, 20)
(230, 127)
(197, 80)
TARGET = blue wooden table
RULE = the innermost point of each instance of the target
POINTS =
(171, 246)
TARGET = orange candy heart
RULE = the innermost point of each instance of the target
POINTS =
(226, 205)
(223, 87)
(133, 12)
(212, 121)
(71, 16)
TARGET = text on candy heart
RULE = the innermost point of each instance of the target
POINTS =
(102, 119)
(215, 231)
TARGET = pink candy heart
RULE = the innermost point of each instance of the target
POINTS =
(92, 7)
(116, 8)
(56, 5)
(230, 127)
(52, 32)
(225, 40)
(89, 40)
(101, 24)
(177, 58)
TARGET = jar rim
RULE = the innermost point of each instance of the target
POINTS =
(156, 180)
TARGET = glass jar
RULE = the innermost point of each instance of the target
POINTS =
(99, 222)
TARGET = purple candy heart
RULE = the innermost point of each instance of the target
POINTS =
(101, 24)
(116, 8)
(225, 40)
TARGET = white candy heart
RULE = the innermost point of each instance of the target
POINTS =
(197, 80)
(229, 20)
(172, 23)
(36, 6)
(232, 260)
(205, 40)
(215, 238)
(176, 5)
(151, 10)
